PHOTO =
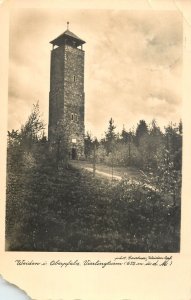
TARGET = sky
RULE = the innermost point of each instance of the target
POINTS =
(133, 65)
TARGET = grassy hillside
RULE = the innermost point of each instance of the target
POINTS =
(65, 209)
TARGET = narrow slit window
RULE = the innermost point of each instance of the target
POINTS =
(74, 78)
(72, 117)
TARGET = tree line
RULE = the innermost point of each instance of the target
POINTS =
(44, 196)
(142, 148)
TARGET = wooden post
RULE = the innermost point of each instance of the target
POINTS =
(112, 160)
(129, 144)
(94, 160)
(112, 167)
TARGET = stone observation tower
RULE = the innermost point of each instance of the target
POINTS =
(66, 98)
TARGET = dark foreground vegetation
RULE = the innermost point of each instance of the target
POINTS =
(51, 206)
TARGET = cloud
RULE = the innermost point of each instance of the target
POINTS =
(133, 64)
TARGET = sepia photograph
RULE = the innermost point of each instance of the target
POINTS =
(94, 140)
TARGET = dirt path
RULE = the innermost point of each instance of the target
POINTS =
(104, 174)
(118, 172)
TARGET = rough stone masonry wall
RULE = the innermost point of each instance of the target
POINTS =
(56, 95)
(67, 97)
(74, 97)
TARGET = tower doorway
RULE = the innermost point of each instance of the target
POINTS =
(74, 153)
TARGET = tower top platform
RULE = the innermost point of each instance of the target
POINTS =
(67, 36)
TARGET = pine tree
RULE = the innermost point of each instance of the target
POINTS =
(141, 131)
(110, 136)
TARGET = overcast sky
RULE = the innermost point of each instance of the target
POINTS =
(133, 64)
